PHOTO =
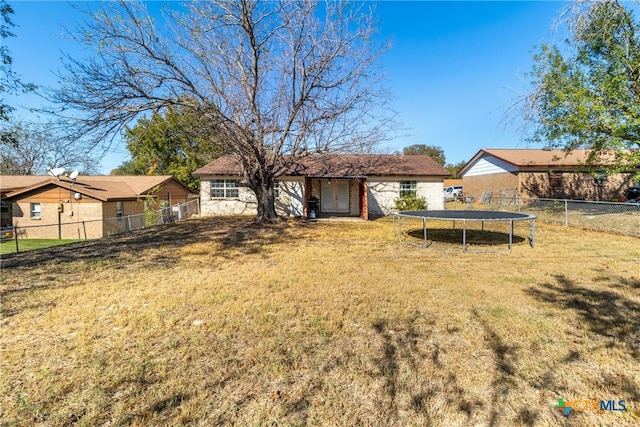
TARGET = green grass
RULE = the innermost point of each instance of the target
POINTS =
(9, 246)
(217, 322)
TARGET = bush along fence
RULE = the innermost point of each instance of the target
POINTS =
(91, 229)
(611, 217)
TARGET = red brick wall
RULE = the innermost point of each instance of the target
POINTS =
(574, 186)
(536, 185)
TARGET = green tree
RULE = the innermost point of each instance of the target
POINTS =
(172, 143)
(10, 82)
(455, 168)
(588, 94)
(436, 153)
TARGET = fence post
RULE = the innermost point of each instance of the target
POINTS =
(84, 228)
(15, 237)
(566, 213)
(128, 223)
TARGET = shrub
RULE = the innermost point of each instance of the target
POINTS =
(410, 202)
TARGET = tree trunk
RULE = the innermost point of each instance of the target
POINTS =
(266, 204)
(261, 181)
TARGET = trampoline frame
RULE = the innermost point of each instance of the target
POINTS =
(464, 216)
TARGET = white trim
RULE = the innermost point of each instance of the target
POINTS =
(488, 165)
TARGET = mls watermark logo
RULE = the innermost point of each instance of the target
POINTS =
(598, 406)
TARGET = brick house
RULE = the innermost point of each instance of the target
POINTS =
(95, 206)
(541, 173)
(352, 185)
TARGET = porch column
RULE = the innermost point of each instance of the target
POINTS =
(306, 195)
(364, 207)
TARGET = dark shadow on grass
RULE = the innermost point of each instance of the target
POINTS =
(162, 407)
(232, 233)
(605, 313)
(139, 249)
(473, 237)
(608, 315)
(400, 351)
(505, 378)
(388, 362)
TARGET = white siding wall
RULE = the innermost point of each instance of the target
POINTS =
(383, 191)
(381, 194)
(487, 165)
(289, 202)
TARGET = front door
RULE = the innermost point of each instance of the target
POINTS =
(334, 196)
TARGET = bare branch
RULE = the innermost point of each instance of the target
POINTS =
(272, 78)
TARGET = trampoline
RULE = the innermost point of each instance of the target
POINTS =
(399, 222)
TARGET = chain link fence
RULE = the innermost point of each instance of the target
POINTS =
(612, 217)
(77, 231)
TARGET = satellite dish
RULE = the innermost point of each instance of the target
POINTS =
(73, 175)
(56, 172)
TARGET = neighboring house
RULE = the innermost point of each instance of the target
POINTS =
(95, 206)
(8, 184)
(541, 173)
(362, 186)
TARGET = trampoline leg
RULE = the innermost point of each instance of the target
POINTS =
(464, 236)
(532, 233)
(510, 235)
(424, 231)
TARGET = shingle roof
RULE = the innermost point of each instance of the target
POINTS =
(9, 183)
(104, 188)
(341, 165)
(537, 158)
(540, 157)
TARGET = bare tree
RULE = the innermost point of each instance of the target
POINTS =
(276, 80)
(34, 149)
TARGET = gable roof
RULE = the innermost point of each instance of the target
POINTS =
(100, 187)
(9, 183)
(340, 166)
(535, 158)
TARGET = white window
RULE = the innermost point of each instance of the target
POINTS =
(225, 188)
(408, 188)
(35, 210)
(276, 189)
(119, 209)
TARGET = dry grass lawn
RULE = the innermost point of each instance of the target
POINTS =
(216, 322)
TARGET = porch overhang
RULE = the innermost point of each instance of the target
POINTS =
(361, 184)
(336, 176)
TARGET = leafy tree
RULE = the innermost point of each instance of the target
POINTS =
(34, 149)
(275, 80)
(436, 153)
(588, 95)
(127, 167)
(166, 145)
(455, 168)
(10, 83)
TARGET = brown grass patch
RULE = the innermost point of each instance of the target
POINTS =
(218, 322)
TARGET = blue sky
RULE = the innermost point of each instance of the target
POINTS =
(454, 66)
